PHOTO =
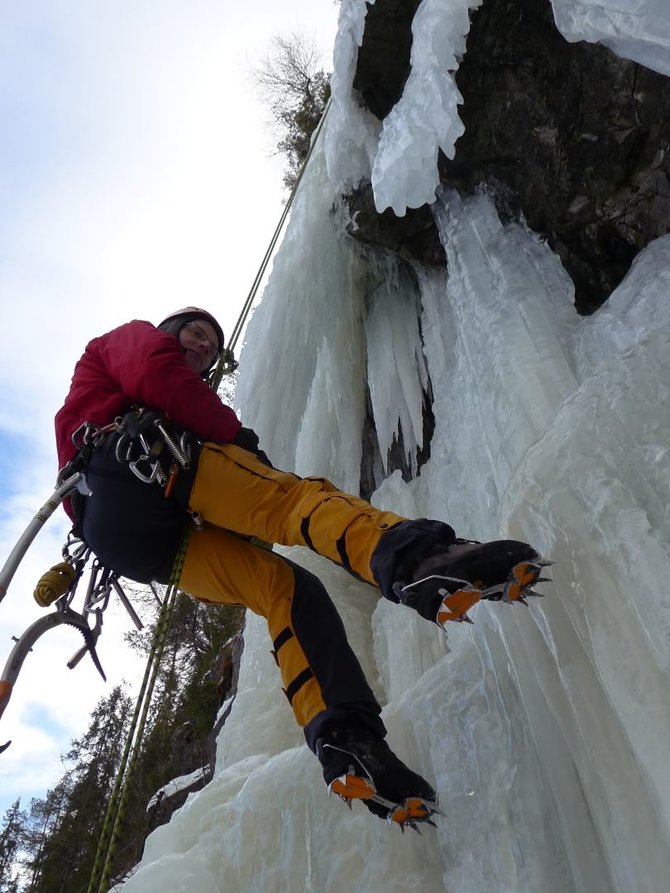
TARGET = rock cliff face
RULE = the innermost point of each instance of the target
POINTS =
(189, 755)
(568, 136)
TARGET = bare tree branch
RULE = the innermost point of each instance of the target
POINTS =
(296, 90)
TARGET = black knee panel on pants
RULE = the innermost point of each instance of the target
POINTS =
(319, 629)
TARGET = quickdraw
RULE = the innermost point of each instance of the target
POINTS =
(136, 447)
(102, 583)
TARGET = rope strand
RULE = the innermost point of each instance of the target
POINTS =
(116, 809)
(239, 325)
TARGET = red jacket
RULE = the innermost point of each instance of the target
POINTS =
(138, 364)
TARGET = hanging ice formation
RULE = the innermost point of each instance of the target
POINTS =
(545, 730)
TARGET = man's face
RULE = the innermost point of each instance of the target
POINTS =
(198, 338)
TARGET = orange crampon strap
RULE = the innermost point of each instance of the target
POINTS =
(414, 809)
(522, 578)
(457, 604)
(352, 787)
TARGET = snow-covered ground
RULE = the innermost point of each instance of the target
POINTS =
(544, 729)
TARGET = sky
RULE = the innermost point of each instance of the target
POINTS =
(136, 177)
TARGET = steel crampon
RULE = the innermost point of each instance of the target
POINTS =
(519, 584)
(408, 813)
(459, 596)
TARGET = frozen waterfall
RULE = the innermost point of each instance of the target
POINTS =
(544, 729)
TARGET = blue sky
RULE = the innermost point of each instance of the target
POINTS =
(135, 177)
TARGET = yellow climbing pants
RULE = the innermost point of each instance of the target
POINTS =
(234, 490)
(238, 496)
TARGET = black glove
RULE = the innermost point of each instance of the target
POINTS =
(248, 440)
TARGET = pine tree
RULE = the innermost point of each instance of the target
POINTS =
(11, 841)
(42, 821)
(66, 825)
(296, 91)
(62, 830)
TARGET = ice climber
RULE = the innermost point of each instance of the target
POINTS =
(140, 386)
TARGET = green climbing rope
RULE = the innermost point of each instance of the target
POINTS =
(116, 809)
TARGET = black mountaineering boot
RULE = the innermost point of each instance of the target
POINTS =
(447, 582)
(358, 765)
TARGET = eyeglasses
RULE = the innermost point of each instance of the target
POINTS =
(200, 335)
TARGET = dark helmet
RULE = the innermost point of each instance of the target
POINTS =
(175, 322)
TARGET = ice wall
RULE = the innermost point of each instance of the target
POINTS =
(317, 357)
(320, 351)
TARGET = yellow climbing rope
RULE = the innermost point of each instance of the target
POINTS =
(54, 583)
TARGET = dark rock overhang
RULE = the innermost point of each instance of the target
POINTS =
(570, 137)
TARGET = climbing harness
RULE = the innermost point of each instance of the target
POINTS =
(142, 435)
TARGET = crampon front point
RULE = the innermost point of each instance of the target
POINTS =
(458, 596)
(519, 584)
(409, 813)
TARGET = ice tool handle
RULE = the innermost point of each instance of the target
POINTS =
(102, 583)
(62, 615)
(76, 481)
